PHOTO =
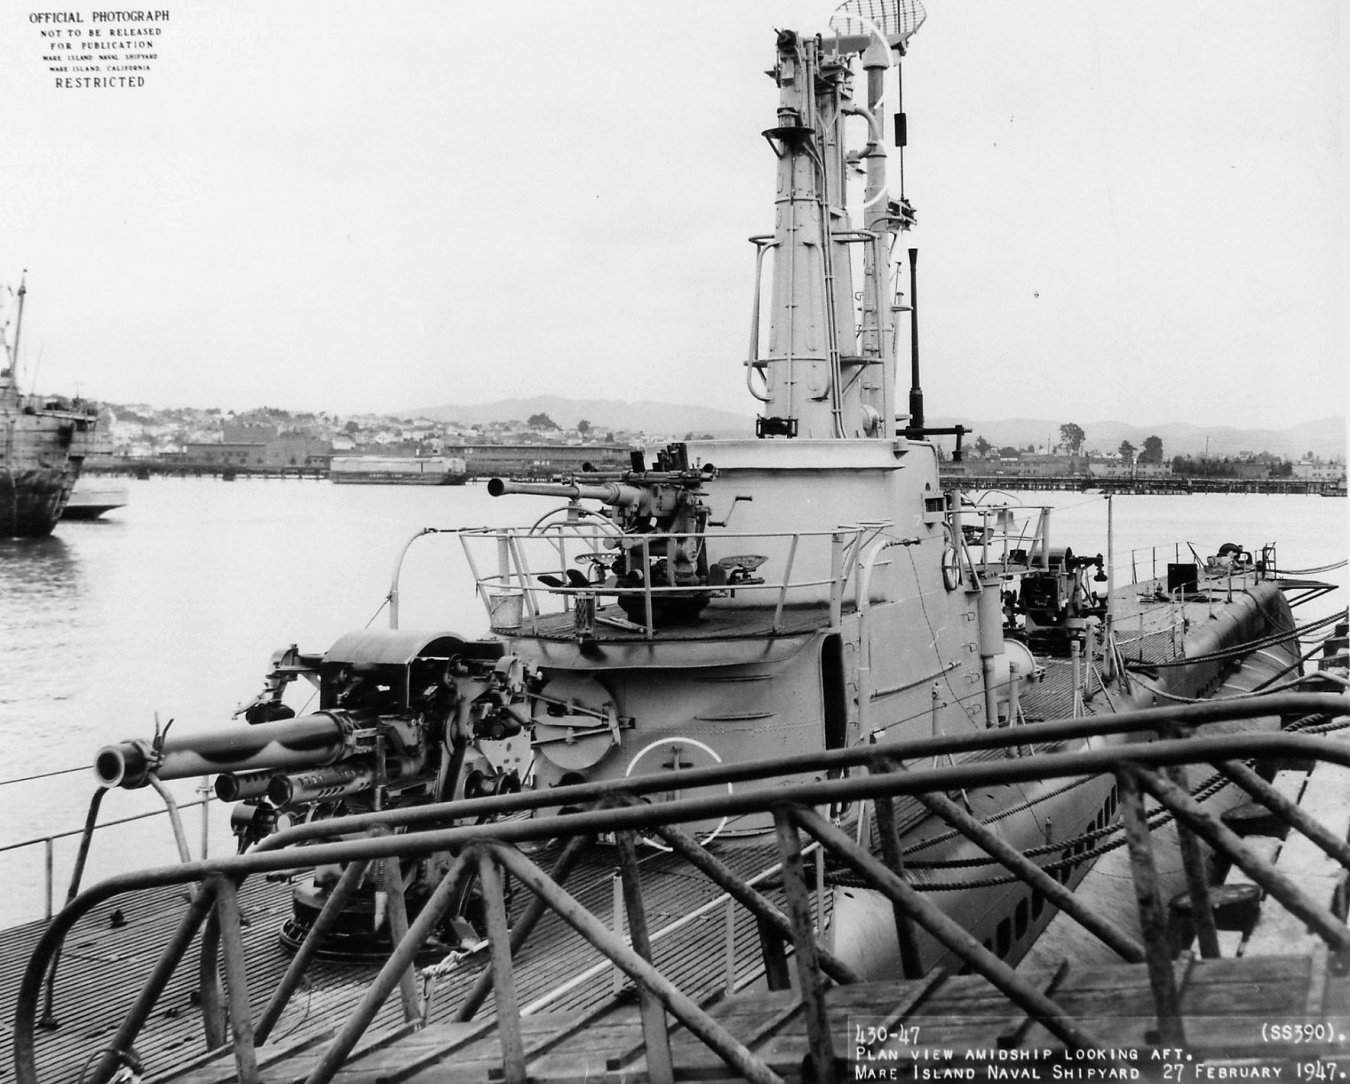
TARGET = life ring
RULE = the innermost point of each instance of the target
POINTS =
(702, 747)
(951, 567)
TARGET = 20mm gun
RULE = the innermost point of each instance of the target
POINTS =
(403, 717)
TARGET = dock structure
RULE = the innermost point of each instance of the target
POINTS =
(1153, 485)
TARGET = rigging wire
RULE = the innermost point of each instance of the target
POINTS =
(1285, 572)
(1247, 646)
(43, 775)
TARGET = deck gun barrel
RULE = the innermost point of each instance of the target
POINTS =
(615, 493)
(309, 741)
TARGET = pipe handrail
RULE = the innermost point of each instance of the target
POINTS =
(854, 788)
(833, 761)
(52, 837)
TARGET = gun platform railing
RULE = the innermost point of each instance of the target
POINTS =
(881, 774)
(524, 575)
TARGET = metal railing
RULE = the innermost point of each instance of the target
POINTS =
(48, 842)
(526, 575)
(1003, 539)
(878, 774)
(1146, 558)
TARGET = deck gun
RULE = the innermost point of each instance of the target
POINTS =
(661, 519)
(403, 717)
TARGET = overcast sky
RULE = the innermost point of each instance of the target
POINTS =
(1128, 211)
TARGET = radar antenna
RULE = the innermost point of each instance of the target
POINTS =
(894, 20)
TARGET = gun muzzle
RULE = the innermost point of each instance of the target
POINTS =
(306, 742)
(242, 786)
(615, 493)
(334, 782)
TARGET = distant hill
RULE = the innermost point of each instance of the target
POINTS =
(1325, 437)
(603, 414)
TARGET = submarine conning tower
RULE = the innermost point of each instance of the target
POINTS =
(828, 370)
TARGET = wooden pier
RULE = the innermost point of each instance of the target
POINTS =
(1162, 485)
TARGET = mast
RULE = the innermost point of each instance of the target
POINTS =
(12, 349)
(829, 368)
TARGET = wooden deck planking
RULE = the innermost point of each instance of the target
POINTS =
(1325, 797)
(1220, 1001)
(553, 955)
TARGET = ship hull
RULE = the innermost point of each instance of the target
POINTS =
(43, 444)
(397, 470)
(1009, 918)
(90, 500)
(400, 480)
(32, 500)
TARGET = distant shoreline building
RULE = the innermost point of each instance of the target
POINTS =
(259, 447)
(537, 459)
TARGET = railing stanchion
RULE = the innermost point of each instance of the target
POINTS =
(729, 945)
(205, 791)
(783, 589)
(617, 977)
(910, 967)
(81, 857)
(656, 1038)
(647, 618)
(525, 925)
(713, 1035)
(175, 820)
(774, 956)
(154, 985)
(1152, 921)
(49, 875)
(743, 892)
(236, 978)
(820, 1043)
(836, 571)
(503, 979)
(398, 930)
(405, 952)
(208, 983)
(1193, 863)
(351, 877)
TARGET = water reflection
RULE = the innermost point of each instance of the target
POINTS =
(43, 587)
(36, 569)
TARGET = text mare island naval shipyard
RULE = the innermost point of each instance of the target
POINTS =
(772, 738)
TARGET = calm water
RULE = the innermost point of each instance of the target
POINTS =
(174, 605)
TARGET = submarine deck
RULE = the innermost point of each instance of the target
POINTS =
(107, 956)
